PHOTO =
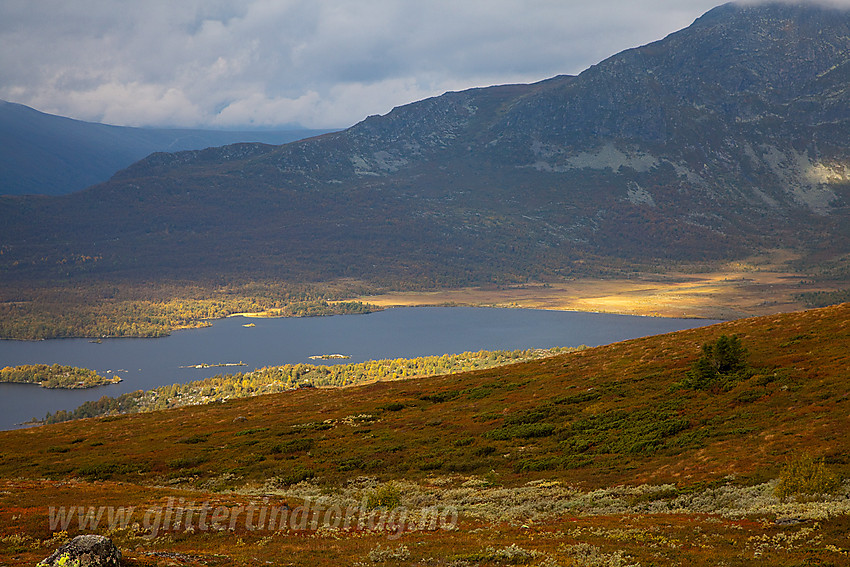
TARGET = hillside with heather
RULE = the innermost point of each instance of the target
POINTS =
(600, 451)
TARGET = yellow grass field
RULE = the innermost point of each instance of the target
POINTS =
(760, 286)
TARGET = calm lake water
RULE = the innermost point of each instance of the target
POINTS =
(394, 333)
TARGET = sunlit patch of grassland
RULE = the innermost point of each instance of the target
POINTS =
(729, 291)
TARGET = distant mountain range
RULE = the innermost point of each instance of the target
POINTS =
(52, 155)
(728, 137)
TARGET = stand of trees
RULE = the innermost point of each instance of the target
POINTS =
(54, 376)
(291, 376)
(153, 310)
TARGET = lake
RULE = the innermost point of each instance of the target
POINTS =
(394, 333)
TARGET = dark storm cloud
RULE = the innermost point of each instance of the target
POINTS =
(318, 63)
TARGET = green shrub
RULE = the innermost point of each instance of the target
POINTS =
(196, 438)
(430, 465)
(635, 432)
(479, 392)
(252, 431)
(295, 476)
(806, 476)
(521, 431)
(386, 495)
(105, 471)
(187, 462)
(250, 459)
(19, 543)
(575, 462)
(576, 445)
(351, 464)
(535, 415)
(464, 464)
(582, 398)
(440, 397)
(536, 465)
(484, 451)
(752, 395)
(293, 446)
(722, 364)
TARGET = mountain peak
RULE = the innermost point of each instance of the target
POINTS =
(724, 138)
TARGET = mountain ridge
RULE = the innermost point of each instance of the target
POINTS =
(53, 155)
(664, 153)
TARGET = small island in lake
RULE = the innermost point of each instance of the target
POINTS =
(205, 365)
(328, 356)
(55, 376)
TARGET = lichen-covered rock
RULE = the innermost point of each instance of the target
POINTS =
(85, 551)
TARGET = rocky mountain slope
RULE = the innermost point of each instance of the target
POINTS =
(725, 138)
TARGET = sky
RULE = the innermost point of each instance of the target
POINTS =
(311, 63)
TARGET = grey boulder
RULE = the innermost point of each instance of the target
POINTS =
(85, 551)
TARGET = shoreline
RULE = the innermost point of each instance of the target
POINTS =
(108, 382)
(762, 285)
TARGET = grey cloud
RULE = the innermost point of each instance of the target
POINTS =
(320, 63)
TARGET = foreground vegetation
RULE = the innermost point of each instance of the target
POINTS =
(605, 456)
(541, 523)
(54, 376)
(277, 379)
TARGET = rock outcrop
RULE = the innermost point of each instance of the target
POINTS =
(85, 551)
